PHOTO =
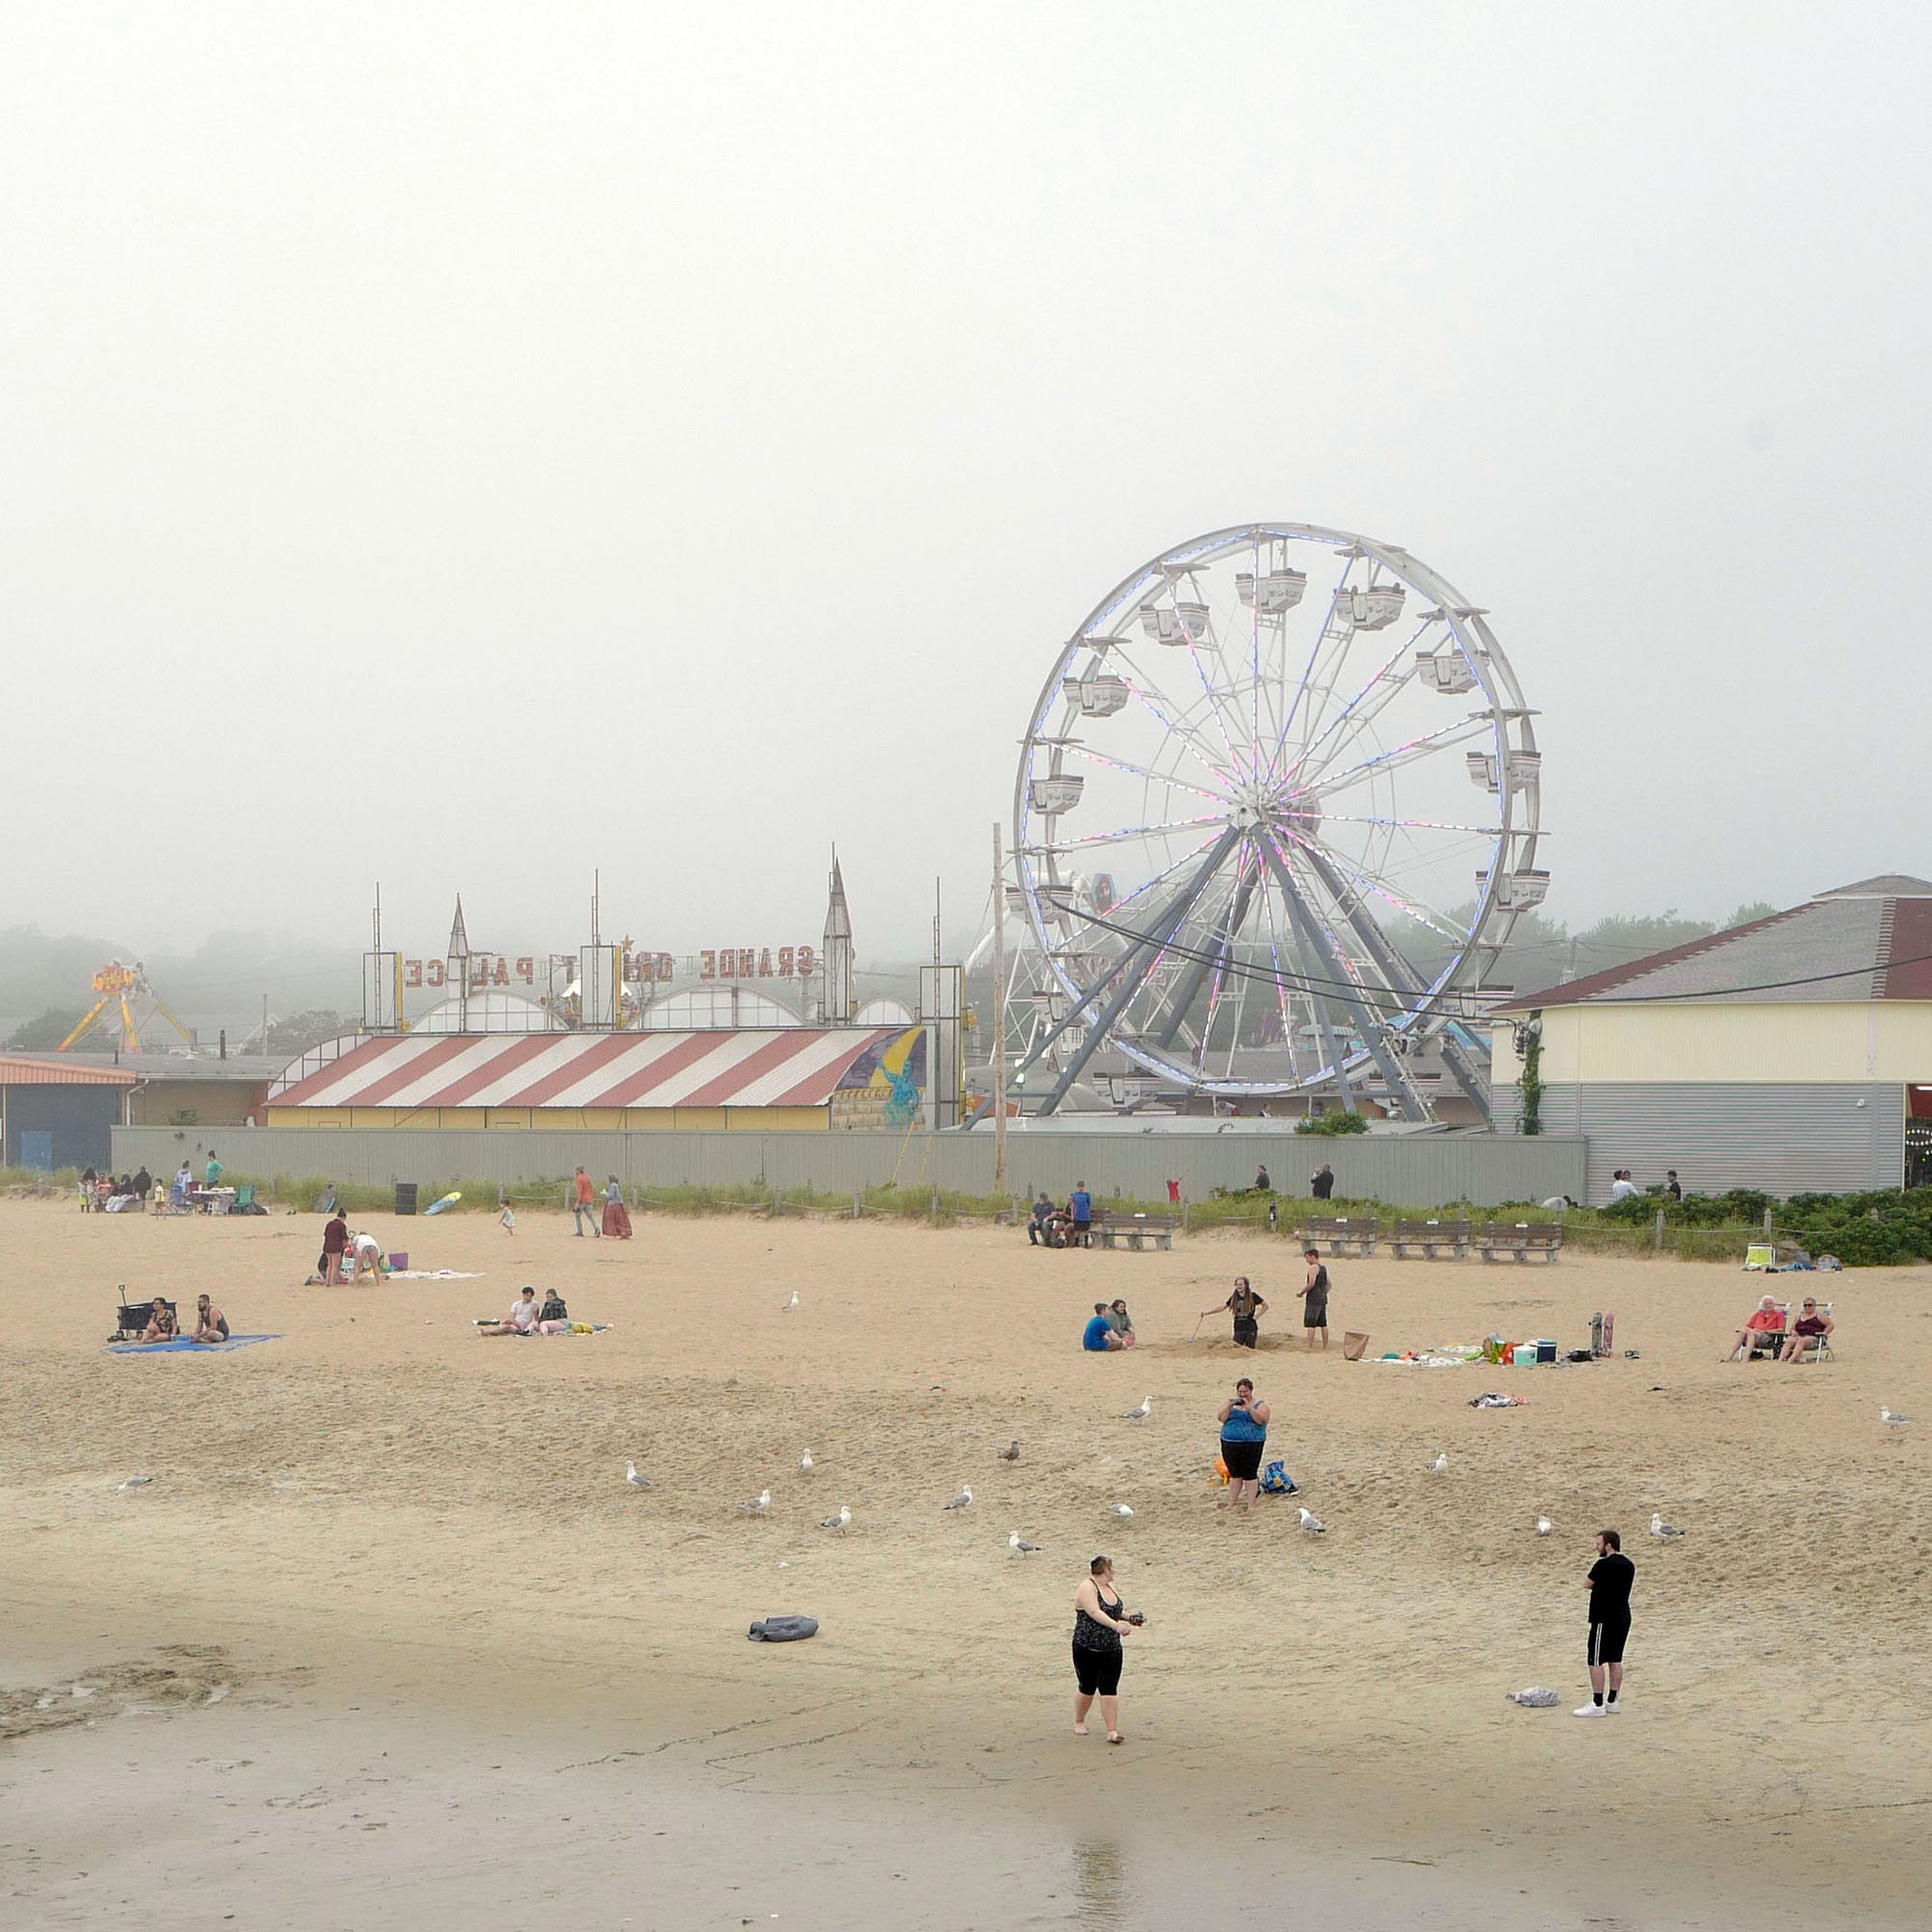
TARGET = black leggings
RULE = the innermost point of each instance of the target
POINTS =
(1096, 1671)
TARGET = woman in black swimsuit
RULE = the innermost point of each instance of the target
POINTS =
(1100, 1621)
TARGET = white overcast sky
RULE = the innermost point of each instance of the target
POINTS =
(465, 445)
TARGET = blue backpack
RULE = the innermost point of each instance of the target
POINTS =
(1277, 1481)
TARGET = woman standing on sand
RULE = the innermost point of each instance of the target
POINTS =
(1246, 1307)
(617, 1216)
(1244, 1427)
(1100, 1621)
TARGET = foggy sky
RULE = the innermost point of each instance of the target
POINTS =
(467, 444)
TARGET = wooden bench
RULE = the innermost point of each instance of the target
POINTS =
(1433, 1238)
(1135, 1231)
(1518, 1240)
(1342, 1235)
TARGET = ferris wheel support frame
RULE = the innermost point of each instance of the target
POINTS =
(1139, 962)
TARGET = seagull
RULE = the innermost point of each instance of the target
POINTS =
(1895, 1421)
(135, 1481)
(792, 1303)
(759, 1503)
(806, 1464)
(1141, 1413)
(842, 1521)
(1011, 1452)
(1543, 1525)
(636, 1481)
(1020, 1546)
(1659, 1528)
(964, 1499)
(1313, 1523)
(1441, 1465)
(1121, 1511)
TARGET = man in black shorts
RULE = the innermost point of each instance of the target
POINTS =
(1609, 1583)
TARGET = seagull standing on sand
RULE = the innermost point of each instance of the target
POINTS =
(1659, 1528)
(1020, 1546)
(135, 1482)
(1121, 1511)
(1313, 1523)
(806, 1464)
(1011, 1452)
(636, 1481)
(964, 1499)
(1441, 1465)
(759, 1503)
(842, 1521)
(792, 1303)
(1885, 1415)
(1141, 1413)
(1543, 1525)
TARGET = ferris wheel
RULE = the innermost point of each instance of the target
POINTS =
(1277, 810)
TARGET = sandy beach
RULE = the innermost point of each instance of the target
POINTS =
(465, 1676)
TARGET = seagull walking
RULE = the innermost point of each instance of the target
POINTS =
(842, 1521)
(1121, 1511)
(792, 1303)
(806, 1464)
(1659, 1528)
(636, 1481)
(1885, 1415)
(1141, 1413)
(1441, 1465)
(964, 1499)
(1011, 1452)
(1313, 1523)
(1543, 1525)
(759, 1503)
(1019, 1544)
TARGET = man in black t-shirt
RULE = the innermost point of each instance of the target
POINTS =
(1609, 1583)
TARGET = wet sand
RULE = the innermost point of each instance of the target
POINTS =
(389, 1536)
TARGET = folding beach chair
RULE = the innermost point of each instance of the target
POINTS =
(1761, 1255)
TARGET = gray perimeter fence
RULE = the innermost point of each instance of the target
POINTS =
(1419, 1171)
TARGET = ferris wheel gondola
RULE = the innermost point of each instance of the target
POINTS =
(1266, 739)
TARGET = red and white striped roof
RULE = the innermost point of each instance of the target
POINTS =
(785, 1066)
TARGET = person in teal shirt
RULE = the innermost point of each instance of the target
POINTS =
(1100, 1334)
(215, 1170)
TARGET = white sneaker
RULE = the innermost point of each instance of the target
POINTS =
(1590, 1711)
(1612, 1707)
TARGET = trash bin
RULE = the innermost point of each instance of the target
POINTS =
(406, 1196)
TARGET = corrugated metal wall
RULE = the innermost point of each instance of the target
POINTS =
(1786, 1138)
(1415, 1171)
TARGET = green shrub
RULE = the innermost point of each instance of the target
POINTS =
(1332, 1125)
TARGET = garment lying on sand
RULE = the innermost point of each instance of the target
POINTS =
(182, 1346)
(431, 1274)
(783, 1630)
(1535, 1698)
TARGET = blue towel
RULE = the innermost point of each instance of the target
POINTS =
(182, 1346)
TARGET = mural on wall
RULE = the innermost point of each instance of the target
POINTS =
(883, 1087)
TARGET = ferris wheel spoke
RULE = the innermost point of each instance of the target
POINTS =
(1408, 904)
(1173, 717)
(1426, 745)
(1413, 824)
(1284, 1005)
(1212, 958)
(1368, 704)
(1087, 752)
(1128, 832)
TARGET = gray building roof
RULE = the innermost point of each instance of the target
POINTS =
(1867, 941)
(239, 1070)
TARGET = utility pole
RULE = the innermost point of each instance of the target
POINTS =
(999, 1013)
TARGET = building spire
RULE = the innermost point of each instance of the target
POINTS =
(459, 938)
(835, 953)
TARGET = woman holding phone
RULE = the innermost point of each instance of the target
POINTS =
(1244, 1427)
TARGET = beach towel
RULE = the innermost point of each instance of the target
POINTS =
(432, 1274)
(182, 1346)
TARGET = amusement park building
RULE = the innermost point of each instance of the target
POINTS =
(1792, 1054)
(804, 1078)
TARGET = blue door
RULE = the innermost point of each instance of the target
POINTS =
(37, 1149)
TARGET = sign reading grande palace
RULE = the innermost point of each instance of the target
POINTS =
(642, 967)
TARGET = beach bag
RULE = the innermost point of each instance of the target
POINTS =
(1277, 1481)
(1353, 1343)
(783, 1630)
